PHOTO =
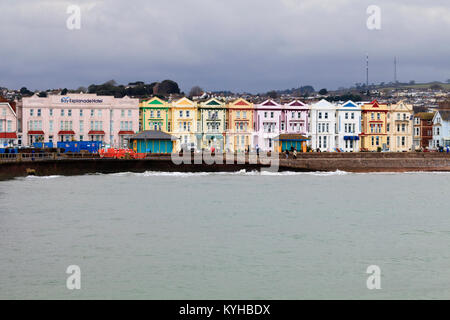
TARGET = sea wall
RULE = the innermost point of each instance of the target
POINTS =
(352, 162)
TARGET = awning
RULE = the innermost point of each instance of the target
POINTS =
(35, 132)
(67, 132)
(93, 132)
(8, 135)
(125, 132)
(351, 138)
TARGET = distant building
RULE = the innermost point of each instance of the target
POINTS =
(8, 123)
(400, 127)
(422, 130)
(268, 125)
(184, 124)
(212, 117)
(154, 114)
(374, 126)
(348, 126)
(152, 141)
(441, 129)
(323, 126)
(240, 121)
(295, 118)
(79, 117)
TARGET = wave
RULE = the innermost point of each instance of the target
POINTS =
(43, 177)
(242, 172)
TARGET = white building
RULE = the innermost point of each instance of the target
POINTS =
(323, 126)
(348, 126)
(441, 130)
(80, 117)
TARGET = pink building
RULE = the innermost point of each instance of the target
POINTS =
(79, 117)
(273, 119)
(295, 118)
(8, 123)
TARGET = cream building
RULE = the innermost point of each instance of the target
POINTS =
(184, 128)
(399, 127)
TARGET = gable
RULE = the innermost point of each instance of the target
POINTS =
(155, 101)
(296, 103)
(269, 103)
(184, 102)
(350, 104)
(241, 103)
(213, 103)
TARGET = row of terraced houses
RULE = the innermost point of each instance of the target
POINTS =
(234, 126)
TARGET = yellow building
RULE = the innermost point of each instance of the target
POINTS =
(154, 114)
(400, 127)
(373, 126)
(184, 124)
(240, 126)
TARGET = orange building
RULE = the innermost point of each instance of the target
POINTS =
(373, 126)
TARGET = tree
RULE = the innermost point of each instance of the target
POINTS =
(272, 94)
(195, 91)
(436, 86)
(25, 92)
(64, 91)
(412, 82)
(448, 81)
(42, 94)
(323, 92)
(168, 87)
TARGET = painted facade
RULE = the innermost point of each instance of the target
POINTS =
(441, 129)
(422, 130)
(8, 124)
(373, 126)
(152, 141)
(399, 127)
(295, 118)
(239, 133)
(348, 126)
(79, 117)
(212, 124)
(155, 114)
(268, 125)
(184, 124)
(323, 126)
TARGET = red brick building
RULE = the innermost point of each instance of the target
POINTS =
(422, 130)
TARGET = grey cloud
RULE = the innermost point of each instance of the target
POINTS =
(236, 45)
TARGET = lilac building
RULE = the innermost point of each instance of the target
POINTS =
(273, 119)
(80, 117)
(295, 118)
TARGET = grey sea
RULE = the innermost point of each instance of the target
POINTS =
(242, 235)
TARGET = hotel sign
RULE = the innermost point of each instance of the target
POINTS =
(69, 100)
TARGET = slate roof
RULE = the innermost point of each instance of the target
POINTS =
(152, 135)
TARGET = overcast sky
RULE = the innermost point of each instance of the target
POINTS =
(237, 45)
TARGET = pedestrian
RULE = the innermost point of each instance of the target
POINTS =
(295, 153)
(448, 149)
(287, 154)
(257, 150)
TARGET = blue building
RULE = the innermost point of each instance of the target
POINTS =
(441, 130)
(152, 141)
